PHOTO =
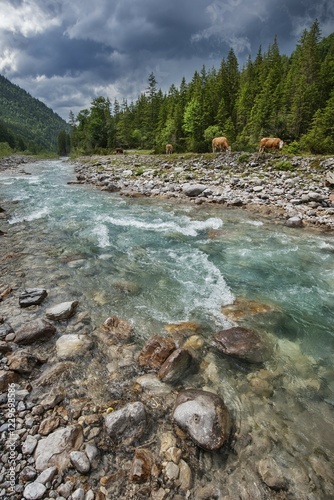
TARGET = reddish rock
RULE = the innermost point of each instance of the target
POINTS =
(244, 344)
(155, 352)
(23, 362)
(7, 377)
(141, 465)
(175, 366)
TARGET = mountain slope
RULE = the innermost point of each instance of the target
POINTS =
(29, 118)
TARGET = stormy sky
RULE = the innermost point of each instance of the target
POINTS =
(67, 52)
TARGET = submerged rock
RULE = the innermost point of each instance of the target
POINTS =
(242, 307)
(117, 330)
(72, 344)
(244, 344)
(204, 416)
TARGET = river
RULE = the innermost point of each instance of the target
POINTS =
(156, 262)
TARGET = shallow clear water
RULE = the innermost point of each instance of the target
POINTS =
(155, 262)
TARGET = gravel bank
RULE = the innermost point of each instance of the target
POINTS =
(297, 190)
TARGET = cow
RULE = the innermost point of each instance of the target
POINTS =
(169, 149)
(270, 143)
(119, 151)
(220, 143)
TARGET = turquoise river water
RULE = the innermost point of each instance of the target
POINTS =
(156, 262)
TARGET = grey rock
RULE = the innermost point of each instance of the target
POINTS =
(193, 190)
(5, 329)
(62, 311)
(47, 475)
(91, 451)
(55, 448)
(65, 489)
(29, 445)
(78, 494)
(80, 461)
(32, 296)
(294, 222)
(204, 416)
(34, 491)
(128, 423)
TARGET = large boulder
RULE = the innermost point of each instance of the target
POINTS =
(244, 344)
(204, 417)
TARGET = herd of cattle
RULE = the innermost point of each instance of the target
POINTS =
(221, 144)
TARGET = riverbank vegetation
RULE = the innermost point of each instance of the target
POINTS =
(273, 95)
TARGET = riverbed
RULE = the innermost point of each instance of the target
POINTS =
(187, 271)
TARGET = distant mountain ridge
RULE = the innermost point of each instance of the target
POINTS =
(29, 119)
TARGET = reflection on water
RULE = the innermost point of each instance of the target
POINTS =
(155, 263)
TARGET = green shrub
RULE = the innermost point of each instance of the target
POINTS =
(293, 148)
(283, 165)
(5, 149)
(243, 158)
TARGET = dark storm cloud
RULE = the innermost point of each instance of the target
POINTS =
(67, 52)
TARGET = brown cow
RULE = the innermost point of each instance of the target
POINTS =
(270, 143)
(169, 149)
(220, 143)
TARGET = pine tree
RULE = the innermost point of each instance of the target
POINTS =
(302, 92)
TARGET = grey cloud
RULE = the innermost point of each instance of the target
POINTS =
(109, 47)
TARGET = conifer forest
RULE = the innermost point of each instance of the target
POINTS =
(271, 96)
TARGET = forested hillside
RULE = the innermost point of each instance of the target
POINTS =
(273, 95)
(25, 122)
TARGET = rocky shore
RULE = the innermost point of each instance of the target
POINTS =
(89, 414)
(299, 191)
